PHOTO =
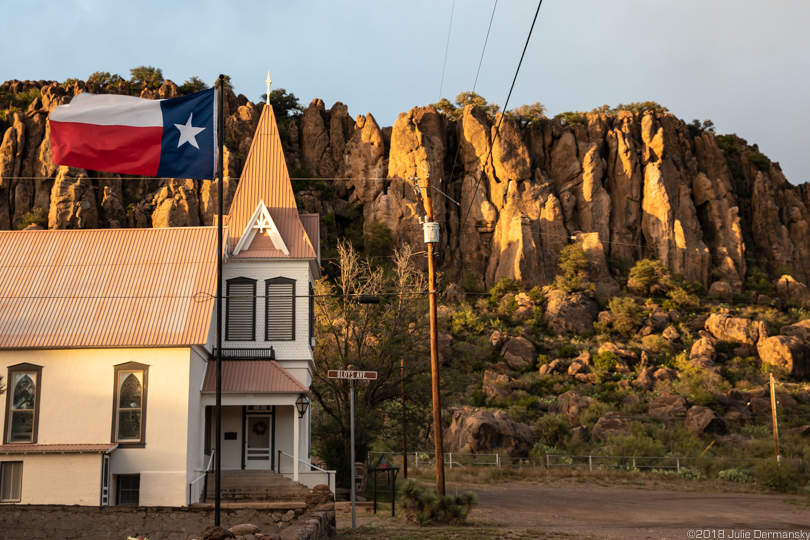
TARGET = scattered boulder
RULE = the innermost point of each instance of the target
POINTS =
(786, 352)
(609, 425)
(735, 329)
(216, 533)
(555, 365)
(700, 419)
(799, 330)
(577, 367)
(497, 338)
(570, 404)
(474, 430)
(519, 353)
(658, 319)
(667, 406)
(318, 495)
(791, 290)
(570, 312)
(496, 385)
(645, 379)
(721, 290)
(671, 333)
(703, 351)
(664, 374)
(525, 307)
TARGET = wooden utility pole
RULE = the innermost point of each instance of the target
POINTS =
(404, 418)
(431, 233)
(773, 417)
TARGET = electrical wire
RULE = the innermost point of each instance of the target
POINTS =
(505, 105)
(447, 47)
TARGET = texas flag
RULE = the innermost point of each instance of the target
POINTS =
(167, 138)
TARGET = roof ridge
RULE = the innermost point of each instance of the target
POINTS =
(287, 374)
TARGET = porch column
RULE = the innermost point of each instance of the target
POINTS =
(296, 442)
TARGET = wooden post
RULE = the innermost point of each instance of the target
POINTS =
(404, 418)
(773, 417)
(424, 185)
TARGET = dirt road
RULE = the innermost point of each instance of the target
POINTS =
(621, 512)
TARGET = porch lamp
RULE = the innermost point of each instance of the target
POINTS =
(302, 403)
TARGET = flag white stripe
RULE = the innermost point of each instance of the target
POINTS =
(110, 110)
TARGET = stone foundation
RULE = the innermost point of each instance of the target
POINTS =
(46, 522)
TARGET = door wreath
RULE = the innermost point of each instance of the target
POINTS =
(260, 428)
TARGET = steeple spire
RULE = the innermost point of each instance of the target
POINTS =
(268, 82)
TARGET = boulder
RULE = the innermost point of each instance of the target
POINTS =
(786, 352)
(474, 430)
(664, 374)
(800, 330)
(497, 338)
(577, 367)
(721, 290)
(519, 353)
(318, 495)
(570, 404)
(735, 329)
(570, 312)
(703, 351)
(671, 333)
(609, 425)
(555, 365)
(496, 385)
(791, 290)
(216, 533)
(700, 419)
(645, 380)
(667, 406)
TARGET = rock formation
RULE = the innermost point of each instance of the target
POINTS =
(633, 184)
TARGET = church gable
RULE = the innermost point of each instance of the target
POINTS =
(262, 223)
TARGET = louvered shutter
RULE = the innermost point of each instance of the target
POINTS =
(240, 324)
(280, 309)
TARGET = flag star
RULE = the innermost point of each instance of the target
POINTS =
(188, 133)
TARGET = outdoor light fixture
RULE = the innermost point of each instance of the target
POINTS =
(302, 403)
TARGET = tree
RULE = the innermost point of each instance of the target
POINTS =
(573, 265)
(527, 115)
(103, 79)
(375, 337)
(477, 100)
(193, 84)
(146, 76)
(448, 109)
(648, 277)
(285, 104)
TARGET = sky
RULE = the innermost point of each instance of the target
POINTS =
(741, 63)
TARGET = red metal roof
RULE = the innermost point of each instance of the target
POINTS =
(251, 377)
(106, 287)
(265, 178)
(312, 225)
(103, 448)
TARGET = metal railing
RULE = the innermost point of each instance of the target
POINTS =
(204, 478)
(329, 474)
(427, 459)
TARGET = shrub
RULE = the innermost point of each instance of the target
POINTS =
(759, 160)
(566, 350)
(148, 76)
(688, 473)
(34, 217)
(466, 319)
(641, 106)
(570, 118)
(377, 239)
(504, 286)
(424, 507)
(573, 265)
(552, 429)
(741, 476)
(527, 115)
(639, 444)
(683, 299)
(626, 313)
(604, 361)
(777, 476)
(648, 277)
(759, 281)
(192, 85)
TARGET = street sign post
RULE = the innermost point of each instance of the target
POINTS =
(352, 376)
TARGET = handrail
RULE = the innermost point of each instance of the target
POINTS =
(309, 464)
(204, 474)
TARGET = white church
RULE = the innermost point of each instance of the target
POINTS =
(107, 350)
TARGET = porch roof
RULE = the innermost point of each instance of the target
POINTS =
(251, 377)
(23, 448)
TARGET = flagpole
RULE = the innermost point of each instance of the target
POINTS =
(220, 195)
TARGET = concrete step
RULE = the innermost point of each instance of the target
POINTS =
(256, 486)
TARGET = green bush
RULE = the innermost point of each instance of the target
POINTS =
(504, 286)
(148, 76)
(192, 85)
(552, 429)
(571, 117)
(466, 319)
(626, 313)
(759, 160)
(604, 362)
(759, 281)
(741, 476)
(573, 265)
(566, 350)
(424, 507)
(648, 277)
(34, 217)
(683, 299)
(777, 476)
(378, 239)
(637, 444)
(689, 473)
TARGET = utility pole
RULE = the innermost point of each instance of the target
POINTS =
(773, 418)
(404, 418)
(431, 233)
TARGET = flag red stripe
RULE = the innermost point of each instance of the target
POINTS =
(121, 149)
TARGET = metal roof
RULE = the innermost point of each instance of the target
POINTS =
(106, 287)
(265, 178)
(251, 377)
(16, 449)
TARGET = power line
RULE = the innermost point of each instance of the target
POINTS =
(503, 114)
(447, 47)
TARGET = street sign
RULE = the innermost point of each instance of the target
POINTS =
(352, 374)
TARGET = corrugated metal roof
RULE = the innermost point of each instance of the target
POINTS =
(312, 225)
(251, 377)
(106, 287)
(265, 178)
(16, 449)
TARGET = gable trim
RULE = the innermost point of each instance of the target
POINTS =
(261, 221)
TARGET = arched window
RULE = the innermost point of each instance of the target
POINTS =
(279, 315)
(129, 420)
(22, 406)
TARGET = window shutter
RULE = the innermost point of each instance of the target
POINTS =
(240, 324)
(280, 309)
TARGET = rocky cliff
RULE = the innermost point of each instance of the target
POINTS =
(646, 183)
